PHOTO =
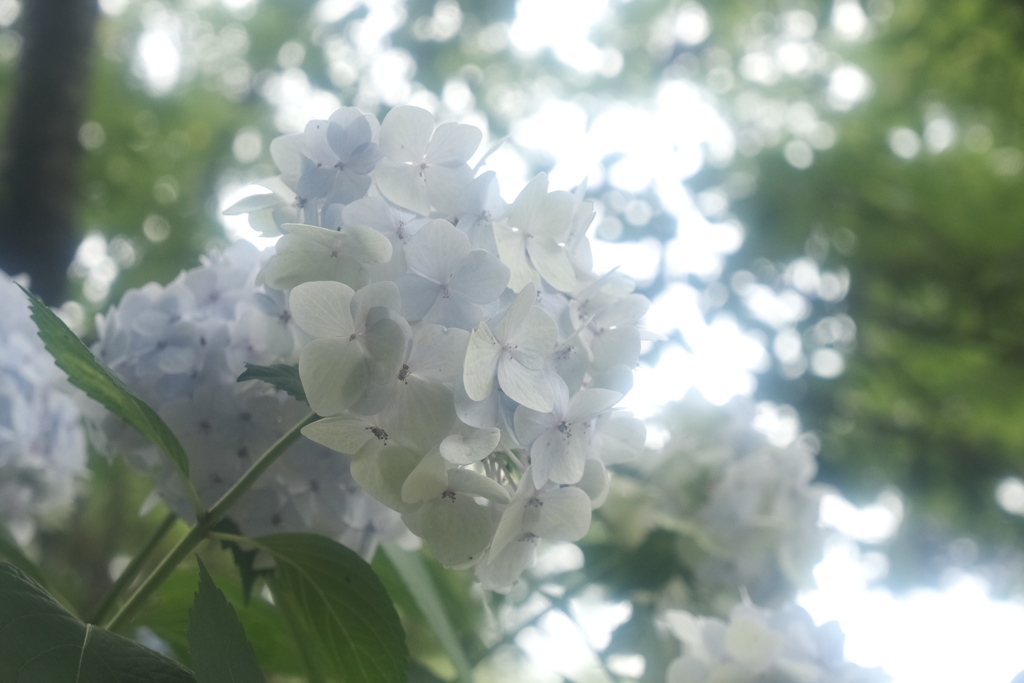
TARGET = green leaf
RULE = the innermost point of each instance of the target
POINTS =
(221, 653)
(283, 377)
(99, 383)
(338, 609)
(414, 573)
(167, 615)
(245, 560)
(41, 642)
(10, 550)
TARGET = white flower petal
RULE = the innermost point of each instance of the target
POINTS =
(436, 250)
(453, 143)
(445, 184)
(562, 515)
(500, 571)
(383, 472)
(438, 352)
(468, 448)
(512, 321)
(428, 480)
(552, 263)
(474, 484)
(619, 437)
(530, 424)
(512, 252)
(405, 185)
(482, 354)
(421, 414)
(530, 388)
(480, 277)
(594, 482)
(383, 294)
(344, 433)
(587, 403)
(334, 372)
(323, 309)
(405, 133)
(455, 528)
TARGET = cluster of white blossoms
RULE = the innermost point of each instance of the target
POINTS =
(463, 352)
(181, 348)
(746, 509)
(757, 645)
(42, 446)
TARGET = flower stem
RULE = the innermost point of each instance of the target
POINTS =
(134, 567)
(203, 525)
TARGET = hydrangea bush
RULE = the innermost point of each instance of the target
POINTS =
(42, 445)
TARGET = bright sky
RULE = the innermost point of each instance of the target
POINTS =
(957, 634)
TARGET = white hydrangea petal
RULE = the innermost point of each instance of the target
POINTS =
(334, 372)
(533, 341)
(422, 412)
(480, 277)
(530, 388)
(530, 424)
(512, 321)
(512, 252)
(752, 642)
(256, 202)
(286, 151)
(405, 185)
(618, 346)
(456, 529)
(619, 438)
(482, 354)
(429, 479)
(482, 414)
(475, 484)
(587, 403)
(559, 455)
(594, 482)
(323, 309)
(510, 526)
(405, 133)
(438, 353)
(383, 472)
(552, 263)
(453, 143)
(367, 245)
(343, 433)
(530, 202)
(436, 250)
(467, 448)
(383, 294)
(385, 343)
(562, 515)
(500, 571)
(301, 258)
(418, 295)
(445, 184)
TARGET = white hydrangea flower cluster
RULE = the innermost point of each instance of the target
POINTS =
(757, 645)
(464, 352)
(747, 510)
(42, 445)
(181, 348)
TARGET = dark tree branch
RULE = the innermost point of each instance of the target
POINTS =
(39, 167)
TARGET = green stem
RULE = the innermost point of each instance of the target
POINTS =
(133, 568)
(203, 525)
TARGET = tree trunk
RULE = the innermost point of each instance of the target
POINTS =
(39, 166)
